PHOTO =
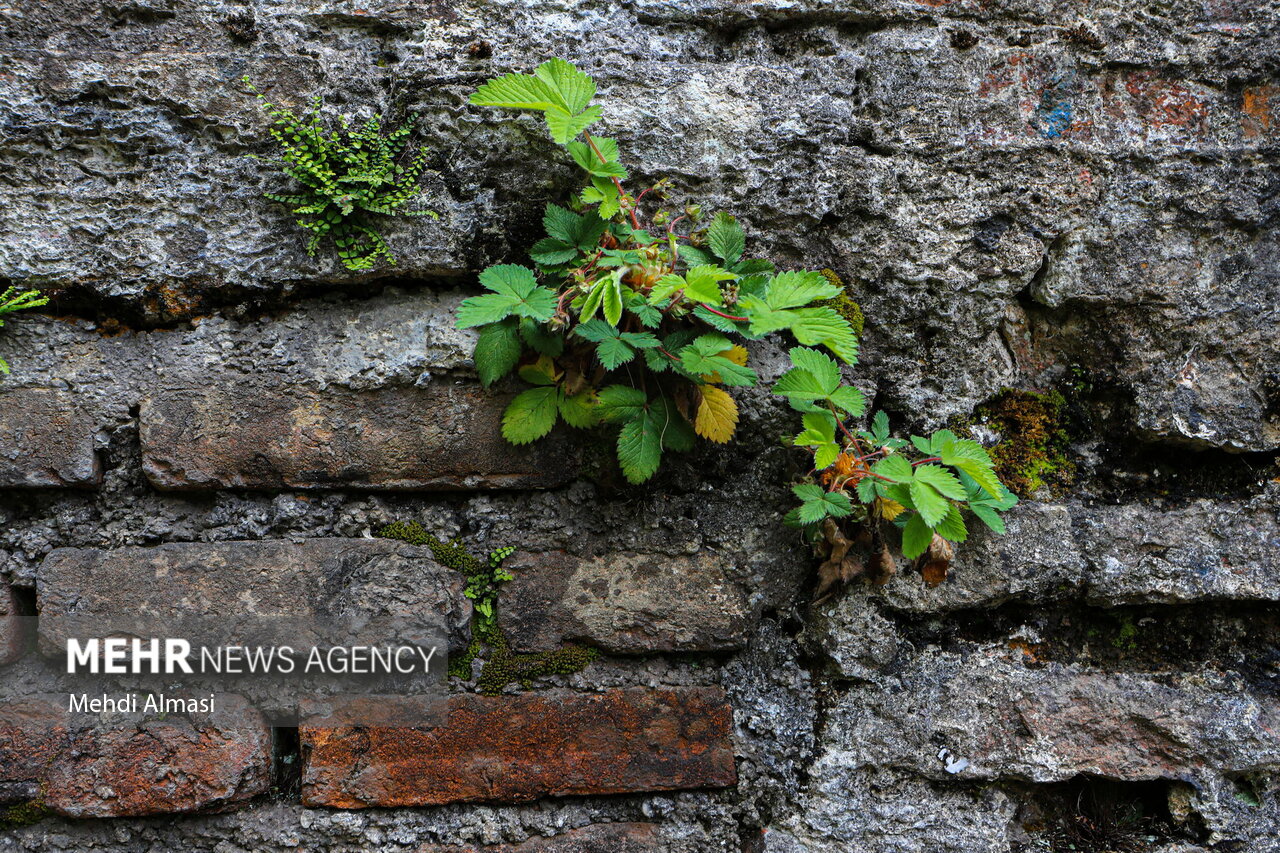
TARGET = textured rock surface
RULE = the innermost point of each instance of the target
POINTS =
(267, 435)
(616, 838)
(513, 749)
(624, 603)
(310, 592)
(13, 635)
(156, 767)
(49, 440)
(1031, 194)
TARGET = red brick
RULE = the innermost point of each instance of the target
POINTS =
(48, 440)
(510, 749)
(597, 838)
(267, 434)
(153, 767)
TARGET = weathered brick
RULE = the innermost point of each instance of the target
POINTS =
(48, 440)
(203, 590)
(521, 748)
(267, 434)
(12, 627)
(624, 603)
(153, 767)
(597, 838)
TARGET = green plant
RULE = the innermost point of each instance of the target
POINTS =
(627, 322)
(12, 300)
(344, 175)
(502, 665)
(637, 325)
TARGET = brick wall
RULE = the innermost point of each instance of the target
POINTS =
(1030, 195)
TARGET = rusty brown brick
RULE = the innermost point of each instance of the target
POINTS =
(266, 434)
(508, 749)
(48, 440)
(623, 603)
(152, 767)
(596, 838)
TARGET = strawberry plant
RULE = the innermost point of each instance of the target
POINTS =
(626, 319)
(634, 316)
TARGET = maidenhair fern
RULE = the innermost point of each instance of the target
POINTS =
(13, 300)
(344, 176)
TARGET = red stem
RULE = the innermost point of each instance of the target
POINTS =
(635, 223)
(726, 316)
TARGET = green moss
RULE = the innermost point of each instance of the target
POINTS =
(844, 304)
(1032, 453)
(23, 814)
(1126, 639)
(502, 666)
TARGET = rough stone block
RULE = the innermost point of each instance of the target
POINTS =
(623, 603)
(597, 838)
(508, 749)
(267, 434)
(212, 592)
(12, 626)
(1110, 555)
(48, 440)
(155, 767)
(986, 716)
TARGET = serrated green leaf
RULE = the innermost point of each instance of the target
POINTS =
(541, 340)
(550, 252)
(880, 426)
(694, 257)
(867, 489)
(531, 415)
(725, 238)
(894, 468)
(826, 371)
(798, 288)
(497, 351)
(515, 292)
(818, 504)
(916, 537)
(942, 480)
(619, 403)
(614, 352)
(640, 446)
(928, 502)
(849, 399)
(952, 525)
(575, 88)
(564, 127)
(702, 283)
(612, 300)
(579, 410)
(989, 517)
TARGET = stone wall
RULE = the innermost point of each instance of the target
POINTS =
(1028, 194)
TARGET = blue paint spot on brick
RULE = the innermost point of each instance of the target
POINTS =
(1054, 112)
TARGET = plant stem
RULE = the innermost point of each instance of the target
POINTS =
(635, 223)
(726, 316)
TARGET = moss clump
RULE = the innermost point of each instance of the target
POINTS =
(23, 814)
(1033, 451)
(502, 666)
(844, 305)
